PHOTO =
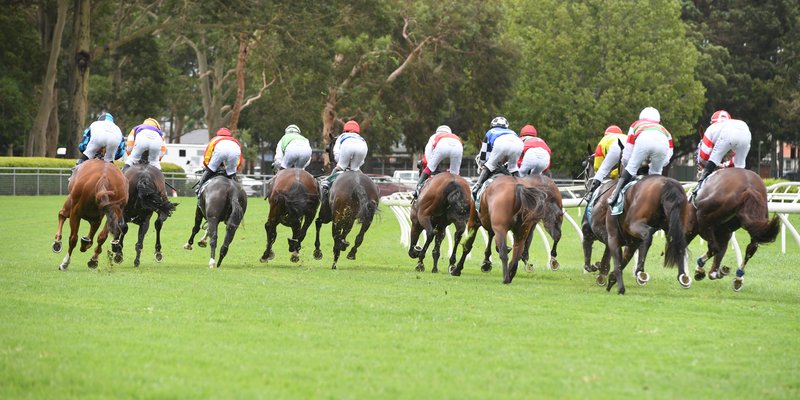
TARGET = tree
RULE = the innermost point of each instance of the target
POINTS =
(587, 65)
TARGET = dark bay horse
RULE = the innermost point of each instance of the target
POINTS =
(293, 202)
(222, 200)
(96, 190)
(445, 199)
(730, 199)
(553, 217)
(147, 194)
(505, 205)
(353, 196)
(655, 202)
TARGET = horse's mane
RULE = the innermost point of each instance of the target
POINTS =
(149, 197)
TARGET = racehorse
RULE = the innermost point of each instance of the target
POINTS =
(553, 217)
(147, 194)
(730, 199)
(293, 202)
(96, 190)
(654, 202)
(445, 199)
(505, 205)
(224, 200)
(352, 196)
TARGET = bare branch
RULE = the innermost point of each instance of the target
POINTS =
(261, 91)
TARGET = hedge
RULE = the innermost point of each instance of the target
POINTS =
(44, 162)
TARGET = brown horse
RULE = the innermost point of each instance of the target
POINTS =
(222, 200)
(293, 202)
(730, 199)
(445, 199)
(506, 205)
(655, 202)
(96, 190)
(553, 217)
(147, 194)
(353, 196)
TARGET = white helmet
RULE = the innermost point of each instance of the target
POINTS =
(443, 129)
(499, 122)
(292, 129)
(650, 114)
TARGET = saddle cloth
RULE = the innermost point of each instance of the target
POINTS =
(481, 190)
(618, 207)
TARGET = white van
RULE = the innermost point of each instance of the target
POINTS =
(406, 176)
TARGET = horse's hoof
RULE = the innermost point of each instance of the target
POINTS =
(202, 244)
(738, 283)
(118, 258)
(714, 275)
(724, 271)
(85, 240)
(589, 268)
(699, 274)
(159, 257)
(295, 258)
(528, 267)
(56, 247)
(414, 252)
(601, 280)
(351, 256)
(136, 263)
(453, 271)
(642, 278)
(420, 267)
(211, 263)
(333, 266)
(685, 281)
(700, 262)
(91, 264)
(318, 254)
(63, 267)
(486, 267)
(554, 265)
(187, 246)
(435, 270)
(271, 256)
(621, 291)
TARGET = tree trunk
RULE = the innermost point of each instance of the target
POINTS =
(240, 62)
(53, 128)
(328, 123)
(37, 142)
(79, 75)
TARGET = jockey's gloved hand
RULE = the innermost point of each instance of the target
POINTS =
(594, 185)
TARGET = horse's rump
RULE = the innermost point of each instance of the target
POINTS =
(297, 198)
(529, 203)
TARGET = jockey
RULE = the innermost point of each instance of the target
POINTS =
(349, 151)
(499, 146)
(647, 141)
(724, 135)
(145, 137)
(293, 151)
(607, 156)
(222, 149)
(102, 133)
(443, 145)
(535, 152)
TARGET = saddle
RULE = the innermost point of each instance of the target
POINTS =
(592, 201)
(481, 190)
(618, 207)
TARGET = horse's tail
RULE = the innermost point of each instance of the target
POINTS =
(456, 199)
(755, 218)
(150, 199)
(366, 207)
(530, 202)
(237, 212)
(673, 203)
(295, 200)
(106, 201)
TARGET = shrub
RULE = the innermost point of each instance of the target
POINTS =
(58, 163)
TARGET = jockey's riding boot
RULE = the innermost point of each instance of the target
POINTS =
(203, 179)
(423, 176)
(485, 174)
(78, 162)
(710, 167)
(515, 174)
(125, 168)
(623, 180)
(593, 186)
(232, 177)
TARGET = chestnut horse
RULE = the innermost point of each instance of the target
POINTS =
(222, 200)
(445, 199)
(654, 202)
(293, 202)
(505, 205)
(353, 196)
(147, 194)
(96, 190)
(553, 217)
(730, 199)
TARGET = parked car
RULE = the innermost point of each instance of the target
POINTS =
(252, 187)
(387, 185)
(406, 176)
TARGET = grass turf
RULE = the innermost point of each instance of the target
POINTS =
(375, 327)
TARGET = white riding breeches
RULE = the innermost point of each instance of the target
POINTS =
(147, 140)
(650, 146)
(110, 139)
(446, 149)
(296, 155)
(535, 161)
(225, 152)
(609, 163)
(735, 136)
(352, 153)
(506, 149)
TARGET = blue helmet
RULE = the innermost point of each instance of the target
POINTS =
(104, 116)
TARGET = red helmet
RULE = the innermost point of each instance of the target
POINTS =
(352, 126)
(720, 116)
(612, 129)
(224, 132)
(528, 130)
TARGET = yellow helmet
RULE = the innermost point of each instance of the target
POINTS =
(152, 122)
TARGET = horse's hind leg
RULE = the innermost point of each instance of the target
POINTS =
(718, 245)
(554, 229)
(158, 224)
(641, 276)
(486, 266)
(101, 239)
(502, 253)
(588, 240)
(86, 241)
(518, 249)
(456, 271)
(437, 245)
(460, 227)
(230, 231)
(416, 230)
(324, 217)
(271, 228)
(211, 232)
(198, 220)
(429, 236)
(144, 225)
(74, 225)
(359, 239)
(526, 251)
(738, 282)
(63, 214)
(294, 242)
(615, 249)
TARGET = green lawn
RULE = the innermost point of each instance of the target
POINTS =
(375, 328)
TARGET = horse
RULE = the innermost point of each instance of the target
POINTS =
(654, 202)
(506, 205)
(147, 194)
(352, 196)
(445, 199)
(96, 190)
(553, 217)
(223, 199)
(293, 202)
(730, 199)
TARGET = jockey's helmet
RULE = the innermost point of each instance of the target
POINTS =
(528, 130)
(650, 114)
(719, 116)
(104, 116)
(499, 122)
(152, 122)
(444, 129)
(612, 129)
(224, 132)
(294, 129)
(352, 126)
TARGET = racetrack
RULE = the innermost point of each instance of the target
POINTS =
(375, 328)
